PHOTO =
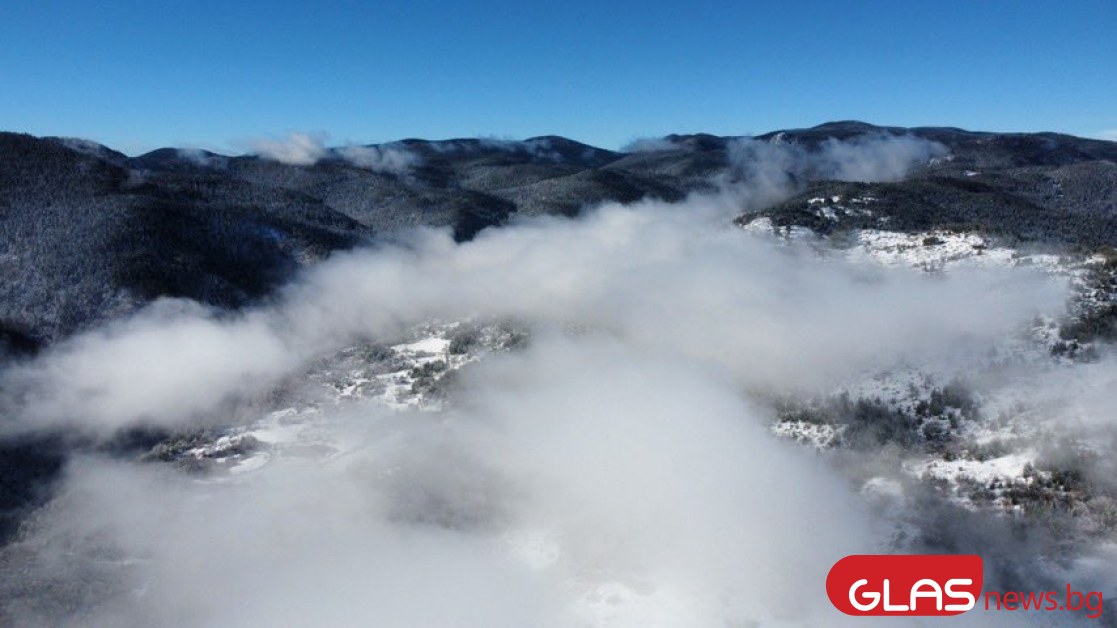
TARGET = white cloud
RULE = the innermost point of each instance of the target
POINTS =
(203, 158)
(671, 279)
(641, 475)
(388, 158)
(297, 149)
(621, 474)
(650, 145)
(869, 158)
(307, 149)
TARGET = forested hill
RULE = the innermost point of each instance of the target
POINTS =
(87, 233)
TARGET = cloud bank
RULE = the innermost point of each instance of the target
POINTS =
(671, 279)
(650, 145)
(307, 149)
(203, 158)
(616, 472)
(297, 149)
(771, 169)
(387, 158)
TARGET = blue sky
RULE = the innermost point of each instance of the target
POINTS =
(139, 75)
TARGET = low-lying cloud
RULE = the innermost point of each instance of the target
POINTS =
(616, 472)
(671, 279)
(650, 145)
(307, 149)
(865, 158)
(582, 483)
(768, 171)
(388, 158)
(203, 158)
(297, 149)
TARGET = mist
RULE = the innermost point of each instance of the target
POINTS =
(307, 149)
(388, 158)
(650, 145)
(669, 279)
(772, 170)
(619, 470)
(203, 158)
(297, 149)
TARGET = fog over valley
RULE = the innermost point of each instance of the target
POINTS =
(492, 382)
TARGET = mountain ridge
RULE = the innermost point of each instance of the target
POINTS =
(226, 230)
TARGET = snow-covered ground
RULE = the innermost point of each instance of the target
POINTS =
(987, 457)
(992, 454)
(817, 435)
(402, 377)
(927, 250)
(406, 377)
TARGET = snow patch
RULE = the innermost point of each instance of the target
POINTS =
(816, 435)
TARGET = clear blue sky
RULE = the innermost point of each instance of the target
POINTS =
(139, 75)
